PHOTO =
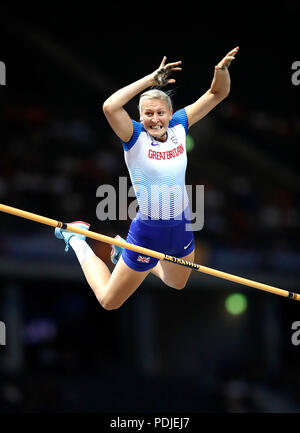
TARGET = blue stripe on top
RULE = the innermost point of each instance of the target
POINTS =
(137, 129)
(180, 117)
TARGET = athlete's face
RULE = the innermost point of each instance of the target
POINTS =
(155, 116)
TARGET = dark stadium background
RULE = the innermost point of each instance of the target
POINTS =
(163, 351)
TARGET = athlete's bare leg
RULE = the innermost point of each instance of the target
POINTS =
(174, 275)
(112, 289)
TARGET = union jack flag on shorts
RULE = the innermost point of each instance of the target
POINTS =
(143, 259)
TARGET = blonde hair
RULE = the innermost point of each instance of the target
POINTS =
(155, 94)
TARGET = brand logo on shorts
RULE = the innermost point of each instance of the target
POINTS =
(143, 259)
(188, 244)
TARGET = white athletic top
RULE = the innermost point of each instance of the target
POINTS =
(157, 169)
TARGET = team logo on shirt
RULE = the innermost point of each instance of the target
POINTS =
(154, 144)
(174, 140)
(143, 259)
(152, 154)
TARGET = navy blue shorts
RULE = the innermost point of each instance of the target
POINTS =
(168, 237)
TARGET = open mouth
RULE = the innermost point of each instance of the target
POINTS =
(156, 127)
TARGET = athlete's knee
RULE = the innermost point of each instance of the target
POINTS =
(109, 303)
(109, 306)
(105, 299)
(178, 285)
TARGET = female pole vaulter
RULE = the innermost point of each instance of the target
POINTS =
(155, 155)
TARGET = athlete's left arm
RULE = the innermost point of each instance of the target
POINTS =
(218, 91)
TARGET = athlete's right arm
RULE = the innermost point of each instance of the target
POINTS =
(117, 116)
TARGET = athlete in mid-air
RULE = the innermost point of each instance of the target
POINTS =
(155, 154)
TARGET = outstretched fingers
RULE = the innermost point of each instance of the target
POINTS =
(170, 66)
(174, 66)
(226, 61)
(163, 62)
(163, 73)
(233, 52)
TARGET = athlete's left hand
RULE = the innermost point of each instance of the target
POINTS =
(225, 62)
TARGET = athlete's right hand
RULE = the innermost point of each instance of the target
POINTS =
(161, 76)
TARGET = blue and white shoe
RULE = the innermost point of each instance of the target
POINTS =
(116, 251)
(66, 234)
